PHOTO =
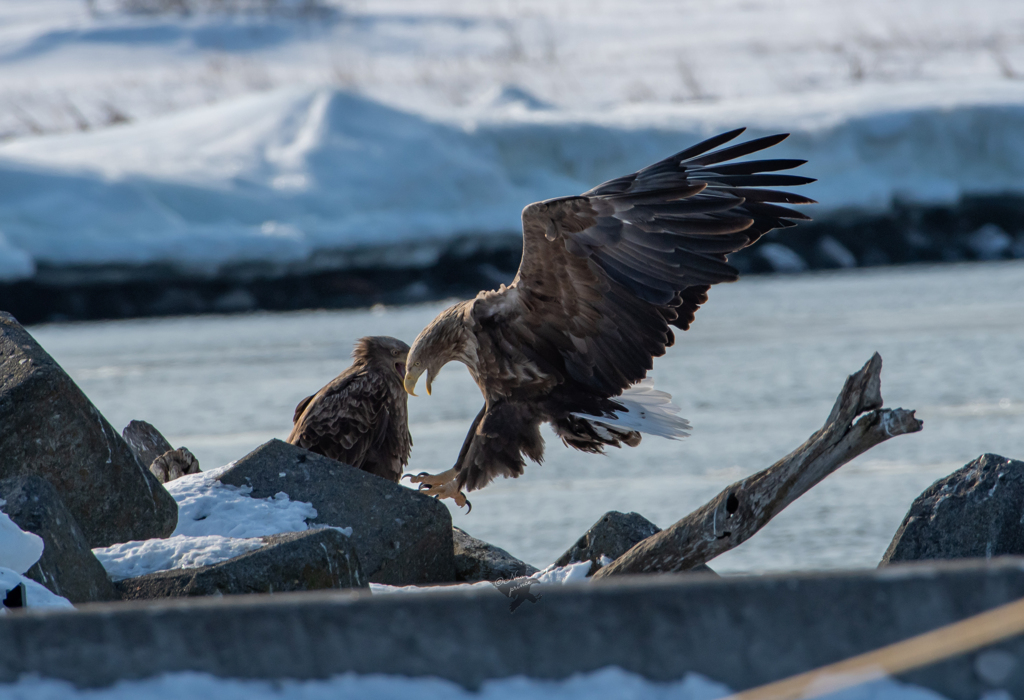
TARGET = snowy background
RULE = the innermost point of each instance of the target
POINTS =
(234, 136)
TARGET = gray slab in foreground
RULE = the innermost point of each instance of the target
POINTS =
(742, 631)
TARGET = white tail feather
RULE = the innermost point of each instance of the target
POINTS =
(647, 410)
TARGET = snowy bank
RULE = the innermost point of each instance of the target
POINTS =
(304, 179)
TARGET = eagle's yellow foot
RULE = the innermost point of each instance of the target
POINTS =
(442, 485)
(433, 479)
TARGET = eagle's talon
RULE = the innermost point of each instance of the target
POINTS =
(469, 507)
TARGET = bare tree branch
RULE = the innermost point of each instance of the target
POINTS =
(742, 509)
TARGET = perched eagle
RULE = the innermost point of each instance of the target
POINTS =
(603, 279)
(361, 417)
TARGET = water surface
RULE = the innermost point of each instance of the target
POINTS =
(756, 375)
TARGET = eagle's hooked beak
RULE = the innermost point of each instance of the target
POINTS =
(412, 375)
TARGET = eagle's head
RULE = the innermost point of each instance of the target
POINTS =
(384, 352)
(444, 340)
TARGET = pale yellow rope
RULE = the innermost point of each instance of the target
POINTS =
(945, 642)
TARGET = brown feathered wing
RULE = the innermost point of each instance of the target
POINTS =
(606, 274)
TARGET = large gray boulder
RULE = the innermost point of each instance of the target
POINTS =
(476, 560)
(612, 536)
(145, 441)
(974, 512)
(403, 537)
(154, 452)
(295, 561)
(68, 566)
(48, 427)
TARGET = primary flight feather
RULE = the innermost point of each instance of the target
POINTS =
(604, 278)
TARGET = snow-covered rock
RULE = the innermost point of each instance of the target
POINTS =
(67, 565)
(139, 558)
(18, 552)
(295, 561)
(207, 507)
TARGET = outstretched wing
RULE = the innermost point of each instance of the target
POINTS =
(604, 275)
(345, 419)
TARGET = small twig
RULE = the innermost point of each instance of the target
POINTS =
(742, 509)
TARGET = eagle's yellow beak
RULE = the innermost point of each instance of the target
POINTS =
(412, 375)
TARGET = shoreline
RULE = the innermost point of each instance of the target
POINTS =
(975, 228)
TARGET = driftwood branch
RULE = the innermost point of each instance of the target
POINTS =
(742, 509)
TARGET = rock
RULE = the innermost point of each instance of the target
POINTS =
(145, 441)
(67, 566)
(48, 427)
(476, 560)
(154, 451)
(403, 537)
(295, 561)
(612, 536)
(174, 464)
(974, 512)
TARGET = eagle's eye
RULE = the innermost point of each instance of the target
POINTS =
(417, 364)
(394, 353)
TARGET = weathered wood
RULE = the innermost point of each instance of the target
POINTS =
(742, 509)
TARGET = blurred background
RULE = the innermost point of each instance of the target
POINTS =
(203, 203)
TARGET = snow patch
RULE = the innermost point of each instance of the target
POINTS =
(36, 594)
(208, 507)
(216, 522)
(139, 558)
(608, 682)
(551, 576)
(18, 550)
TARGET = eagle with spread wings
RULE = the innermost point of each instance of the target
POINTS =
(604, 278)
(361, 417)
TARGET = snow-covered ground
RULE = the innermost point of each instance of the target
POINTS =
(384, 133)
(610, 683)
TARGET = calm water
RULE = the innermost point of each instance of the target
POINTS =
(756, 376)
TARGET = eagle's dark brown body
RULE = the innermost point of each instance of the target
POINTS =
(361, 417)
(605, 277)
